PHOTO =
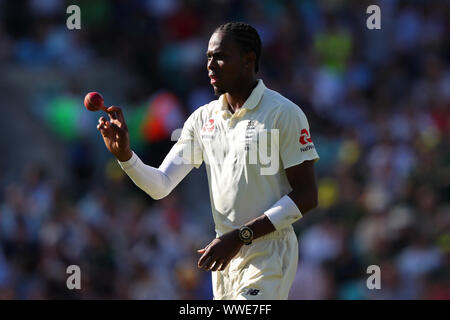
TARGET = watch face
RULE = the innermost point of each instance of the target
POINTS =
(246, 234)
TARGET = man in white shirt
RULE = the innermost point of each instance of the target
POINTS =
(255, 194)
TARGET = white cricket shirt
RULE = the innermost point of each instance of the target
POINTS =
(245, 153)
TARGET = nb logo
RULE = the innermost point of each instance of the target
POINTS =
(252, 292)
(304, 137)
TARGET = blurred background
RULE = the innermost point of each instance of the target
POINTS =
(378, 105)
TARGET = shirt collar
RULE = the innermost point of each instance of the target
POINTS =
(251, 102)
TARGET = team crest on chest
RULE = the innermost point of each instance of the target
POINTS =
(208, 127)
(249, 133)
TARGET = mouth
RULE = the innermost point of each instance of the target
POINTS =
(213, 78)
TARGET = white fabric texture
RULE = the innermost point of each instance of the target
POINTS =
(157, 182)
(283, 213)
(263, 270)
(246, 153)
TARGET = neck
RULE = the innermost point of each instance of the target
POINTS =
(237, 98)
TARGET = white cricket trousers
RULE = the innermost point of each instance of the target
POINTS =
(263, 270)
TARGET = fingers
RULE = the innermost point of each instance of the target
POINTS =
(112, 112)
(211, 259)
(224, 265)
(116, 128)
(106, 129)
(110, 126)
(112, 115)
(207, 261)
(214, 264)
(115, 113)
(203, 259)
(101, 123)
(217, 265)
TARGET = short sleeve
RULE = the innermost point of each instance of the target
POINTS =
(188, 145)
(296, 144)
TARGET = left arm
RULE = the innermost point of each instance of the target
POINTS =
(220, 251)
(303, 181)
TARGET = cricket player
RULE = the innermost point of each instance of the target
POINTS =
(255, 197)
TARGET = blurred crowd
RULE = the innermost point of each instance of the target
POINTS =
(378, 105)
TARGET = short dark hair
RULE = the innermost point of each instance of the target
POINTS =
(245, 35)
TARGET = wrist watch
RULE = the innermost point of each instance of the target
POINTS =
(246, 235)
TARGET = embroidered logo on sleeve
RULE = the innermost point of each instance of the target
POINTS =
(304, 137)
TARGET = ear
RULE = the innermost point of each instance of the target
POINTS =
(250, 60)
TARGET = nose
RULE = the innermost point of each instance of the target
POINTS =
(210, 65)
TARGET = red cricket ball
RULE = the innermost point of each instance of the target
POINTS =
(94, 102)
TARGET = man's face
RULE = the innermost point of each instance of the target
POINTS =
(225, 63)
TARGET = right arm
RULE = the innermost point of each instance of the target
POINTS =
(156, 182)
